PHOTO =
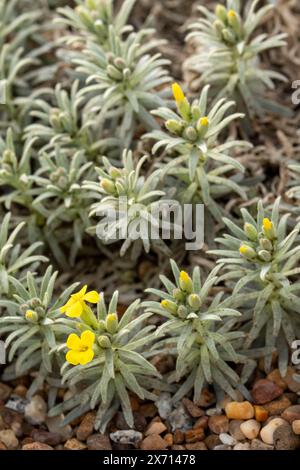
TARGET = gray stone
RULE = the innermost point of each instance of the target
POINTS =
(128, 436)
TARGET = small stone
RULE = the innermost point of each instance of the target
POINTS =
(155, 427)
(296, 426)
(194, 435)
(192, 408)
(227, 439)
(267, 431)
(16, 403)
(218, 424)
(292, 413)
(134, 403)
(212, 441)
(201, 422)
(46, 437)
(126, 436)
(179, 419)
(289, 379)
(214, 412)
(169, 439)
(55, 425)
(292, 396)
(74, 444)
(178, 436)
(5, 392)
(196, 446)
(164, 405)
(206, 399)
(86, 426)
(222, 447)
(36, 410)
(276, 407)
(140, 422)
(285, 439)
(265, 391)
(250, 428)
(8, 438)
(242, 446)
(20, 390)
(36, 446)
(257, 444)
(261, 414)
(275, 377)
(178, 447)
(154, 442)
(239, 410)
(148, 410)
(98, 442)
(3, 446)
(235, 429)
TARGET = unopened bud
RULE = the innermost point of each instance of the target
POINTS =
(247, 252)
(191, 134)
(221, 13)
(178, 295)
(268, 229)
(264, 255)
(112, 322)
(104, 342)
(108, 186)
(228, 36)
(194, 301)
(173, 126)
(266, 244)
(185, 282)
(169, 305)
(31, 316)
(250, 231)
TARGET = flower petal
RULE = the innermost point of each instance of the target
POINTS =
(87, 338)
(92, 297)
(75, 310)
(70, 302)
(73, 357)
(80, 294)
(73, 342)
(86, 356)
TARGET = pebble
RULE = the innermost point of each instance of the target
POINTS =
(16, 403)
(36, 410)
(164, 405)
(277, 407)
(292, 413)
(222, 447)
(275, 377)
(98, 442)
(36, 446)
(218, 424)
(212, 441)
(207, 398)
(179, 419)
(192, 408)
(239, 410)
(74, 444)
(257, 444)
(46, 437)
(214, 412)
(261, 414)
(250, 428)
(148, 410)
(178, 436)
(140, 422)
(86, 426)
(3, 446)
(55, 425)
(128, 436)
(285, 439)
(201, 422)
(169, 439)
(154, 442)
(235, 429)
(5, 392)
(265, 391)
(20, 390)
(155, 428)
(296, 426)
(194, 435)
(9, 439)
(227, 439)
(242, 446)
(196, 446)
(289, 379)
(267, 431)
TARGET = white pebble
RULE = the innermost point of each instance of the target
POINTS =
(250, 428)
(242, 446)
(267, 431)
(227, 439)
(214, 412)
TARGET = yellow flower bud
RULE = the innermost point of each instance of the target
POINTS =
(182, 103)
(170, 306)
(178, 93)
(185, 282)
(195, 301)
(112, 322)
(202, 125)
(247, 252)
(31, 316)
(108, 186)
(104, 342)
(234, 21)
(173, 126)
(268, 229)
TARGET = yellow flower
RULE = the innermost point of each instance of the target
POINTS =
(81, 349)
(76, 304)
(268, 228)
(204, 121)
(267, 224)
(185, 282)
(31, 315)
(177, 93)
(232, 14)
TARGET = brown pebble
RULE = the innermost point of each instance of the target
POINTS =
(277, 407)
(261, 414)
(46, 437)
(292, 413)
(37, 446)
(8, 438)
(218, 424)
(196, 446)
(285, 439)
(135, 404)
(169, 439)
(20, 390)
(178, 437)
(98, 442)
(235, 429)
(148, 410)
(156, 427)
(212, 441)
(154, 442)
(194, 435)
(86, 426)
(289, 378)
(239, 410)
(178, 447)
(275, 377)
(265, 391)
(296, 426)
(201, 422)
(206, 399)
(192, 408)
(2, 446)
(5, 392)
(74, 444)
